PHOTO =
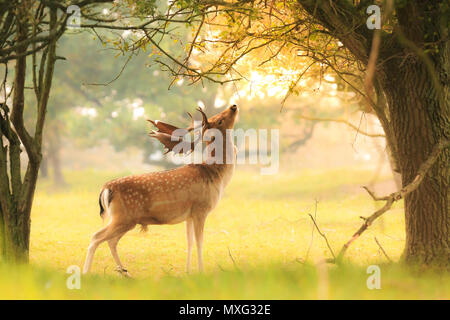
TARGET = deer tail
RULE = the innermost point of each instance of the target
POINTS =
(104, 200)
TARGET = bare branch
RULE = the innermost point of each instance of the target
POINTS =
(373, 135)
(115, 78)
(323, 236)
(232, 259)
(395, 196)
(382, 250)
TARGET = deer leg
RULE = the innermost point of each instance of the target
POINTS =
(95, 241)
(198, 230)
(190, 240)
(112, 243)
(108, 232)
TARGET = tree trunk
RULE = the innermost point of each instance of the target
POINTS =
(17, 194)
(58, 178)
(14, 231)
(44, 167)
(16, 238)
(396, 176)
(54, 157)
(420, 117)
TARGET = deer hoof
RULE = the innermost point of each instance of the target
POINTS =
(123, 272)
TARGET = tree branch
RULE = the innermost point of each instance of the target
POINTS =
(323, 236)
(344, 21)
(395, 196)
(19, 84)
(348, 123)
(382, 250)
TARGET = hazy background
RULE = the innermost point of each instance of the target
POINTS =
(100, 102)
(96, 130)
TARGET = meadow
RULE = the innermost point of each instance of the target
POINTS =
(259, 244)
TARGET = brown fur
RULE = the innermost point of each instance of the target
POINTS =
(187, 193)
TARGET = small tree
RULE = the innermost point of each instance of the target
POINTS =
(29, 32)
(24, 25)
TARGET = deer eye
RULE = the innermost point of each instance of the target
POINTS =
(220, 122)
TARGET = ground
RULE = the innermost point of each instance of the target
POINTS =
(259, 243)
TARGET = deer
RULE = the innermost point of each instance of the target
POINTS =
(184, 194)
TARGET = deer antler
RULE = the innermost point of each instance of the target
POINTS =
(205, 122)
(166, 136)
(170, 141)
(163, 127)
(191, 127)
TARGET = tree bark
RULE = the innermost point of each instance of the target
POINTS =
(17, 195)
(17, 237)
(44, 167)
(396, 176)
(15, 214)
(55, 159)
(54, 156)
(420, 117)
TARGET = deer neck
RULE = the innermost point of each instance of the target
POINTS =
(220, 173)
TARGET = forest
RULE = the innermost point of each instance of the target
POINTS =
(238, 149)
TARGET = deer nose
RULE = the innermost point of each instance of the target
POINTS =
(233, 108)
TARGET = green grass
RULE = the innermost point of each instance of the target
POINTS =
(266, 282)
(261, 223)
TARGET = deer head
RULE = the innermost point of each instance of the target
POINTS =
(170, 136)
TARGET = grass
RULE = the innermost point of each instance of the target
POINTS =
(267, 282)
(256, 243)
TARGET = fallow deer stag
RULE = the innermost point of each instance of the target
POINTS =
(187, 193)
